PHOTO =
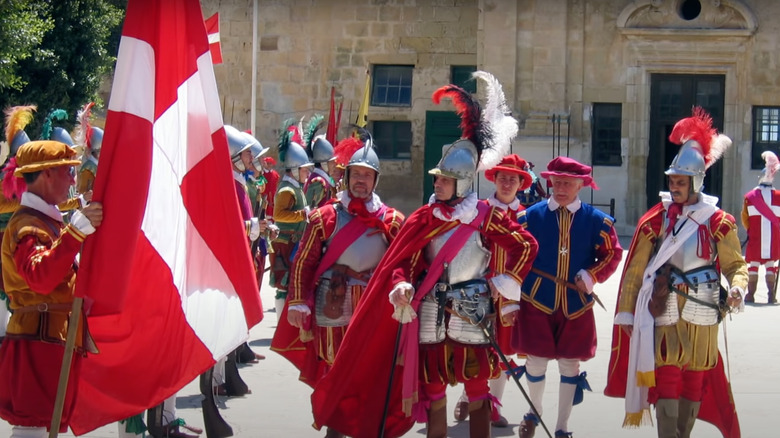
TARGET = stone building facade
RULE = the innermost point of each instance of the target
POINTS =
(600, 80)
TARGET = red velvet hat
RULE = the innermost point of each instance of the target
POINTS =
(512, 164)
(565, 166)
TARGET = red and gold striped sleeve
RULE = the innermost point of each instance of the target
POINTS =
(322, 223)
(519, 245)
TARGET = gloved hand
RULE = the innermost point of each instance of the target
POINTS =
(400, 297)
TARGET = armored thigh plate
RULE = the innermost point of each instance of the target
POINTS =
(429, 333)
(320, 302)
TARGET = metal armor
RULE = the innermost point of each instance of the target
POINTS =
(361, 256)
(699, 273)
(462, 288)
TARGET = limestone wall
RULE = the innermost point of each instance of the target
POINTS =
(307, 46)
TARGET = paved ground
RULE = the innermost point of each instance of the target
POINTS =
(279, 405)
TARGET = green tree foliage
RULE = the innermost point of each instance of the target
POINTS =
(21, 31)
(65, 68)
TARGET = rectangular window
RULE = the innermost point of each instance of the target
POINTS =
(392, 85)
(392, 139)
(766, 133)
(460, 75)
(606, 124)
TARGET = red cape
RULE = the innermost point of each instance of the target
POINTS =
(351, 396)
(717, 406)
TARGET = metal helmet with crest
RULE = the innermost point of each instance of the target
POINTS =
(771, 166)
(363, 154)
(56, 133)
(16, 119)
(237, 143)
(486, 133)
(88, 136)
(291, 153)
(319, 148)
(701, 147)
(258, 150)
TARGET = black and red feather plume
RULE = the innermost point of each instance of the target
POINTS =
(470, 112)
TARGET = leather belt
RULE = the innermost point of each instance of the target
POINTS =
(349, 272)
(45, 307)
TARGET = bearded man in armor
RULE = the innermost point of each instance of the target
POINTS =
(342, 244)
(665, 341)
(761, 219)
(441, 281)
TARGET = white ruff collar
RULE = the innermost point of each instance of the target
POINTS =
(465, 211)
(36, 203)
(292, 181)
(372, 204)
(494, 202)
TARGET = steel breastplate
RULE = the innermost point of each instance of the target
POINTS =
(470, 263)
(687, 258)
(365, 252)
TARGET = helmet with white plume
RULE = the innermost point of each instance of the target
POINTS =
(771, 166)
(486, 134)
(701, 147)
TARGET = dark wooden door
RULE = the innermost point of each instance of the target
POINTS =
(441, 127)
(672, 97)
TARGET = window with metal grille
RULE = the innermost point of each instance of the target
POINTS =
(766, 133)
(392, 85)
(606, 123)
(460, 75)
(392, 139)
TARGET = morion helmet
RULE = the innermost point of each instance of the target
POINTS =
(701, 147)
(486, 134)
(237, 143)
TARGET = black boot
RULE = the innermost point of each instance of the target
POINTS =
(154, 420)
(234, 384)
(244, 354)
(216, 426)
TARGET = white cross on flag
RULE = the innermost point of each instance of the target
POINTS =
(168, 279)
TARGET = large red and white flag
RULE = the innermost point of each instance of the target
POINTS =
(168, 280)
(212, 28)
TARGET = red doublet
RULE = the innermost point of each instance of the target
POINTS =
(763, 243)
(348, 398)
(38, 268)
(272, 177)
(504, 324)
(314, 357)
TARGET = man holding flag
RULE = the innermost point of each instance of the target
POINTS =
(165, 170)
(39, 271)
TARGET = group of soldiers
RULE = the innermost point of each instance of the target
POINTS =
(381, 312)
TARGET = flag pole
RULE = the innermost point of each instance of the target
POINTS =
(253, 107)
(67, 359)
